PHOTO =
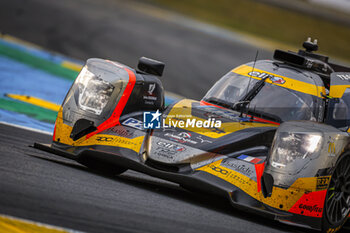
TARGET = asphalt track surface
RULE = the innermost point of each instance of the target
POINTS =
(46, 188)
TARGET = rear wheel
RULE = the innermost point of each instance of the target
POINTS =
(101, 167)
(337, 203)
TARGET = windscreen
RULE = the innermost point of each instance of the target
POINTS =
(271, 101)
(230, 89)
(283, 104)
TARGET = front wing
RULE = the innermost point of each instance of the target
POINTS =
(301, 204)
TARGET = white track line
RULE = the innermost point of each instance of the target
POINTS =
(26, 128)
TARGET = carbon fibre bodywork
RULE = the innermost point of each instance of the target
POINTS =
(245, 158)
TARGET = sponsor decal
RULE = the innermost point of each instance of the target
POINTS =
(239, 179)
(165, 154)
(310, 204)
(331, 149)
(277, 80)
(149, 102)
(274, 79)
(182, 137)
(202, 140)
(149, 97)
(104, 139)
(219, 169)
(115, 140)
(311, 208)
(322, 183)
(230, 176)
(167, 150)
(239, 167)
(151, 88)
(344, 77)
(171, 147)
(249, 159)
(134, 123)
(122, 131)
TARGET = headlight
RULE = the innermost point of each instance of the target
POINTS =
(291, 150)
(94, 92)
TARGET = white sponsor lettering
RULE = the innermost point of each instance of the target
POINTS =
(210, 123)
(345, 77)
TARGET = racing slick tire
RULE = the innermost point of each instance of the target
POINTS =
(101, 167)
(337, 202)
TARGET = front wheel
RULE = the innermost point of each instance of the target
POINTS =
(337, 202)
(101, 167)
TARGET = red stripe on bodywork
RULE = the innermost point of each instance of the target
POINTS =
(204, 103)
(114, 118)
(54, 132)
(259, 169)
(310, 204)
(263, 120)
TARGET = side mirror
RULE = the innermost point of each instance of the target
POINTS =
(337, 113)
(151, 66)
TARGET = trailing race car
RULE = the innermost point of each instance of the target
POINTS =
(271, 135)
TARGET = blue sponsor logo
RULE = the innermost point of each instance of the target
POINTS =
(151, 120)
(277, 80)
(134, 123)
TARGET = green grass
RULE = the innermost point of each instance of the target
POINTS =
(37, 62)
(267, 22)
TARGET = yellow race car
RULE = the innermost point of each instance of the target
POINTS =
(271, 136)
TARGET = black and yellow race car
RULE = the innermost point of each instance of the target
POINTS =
(271, 136)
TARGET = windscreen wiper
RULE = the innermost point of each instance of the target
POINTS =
(251, 94)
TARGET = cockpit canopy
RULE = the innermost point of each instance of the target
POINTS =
(270, 90)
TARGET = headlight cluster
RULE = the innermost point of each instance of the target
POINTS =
(290, 149)
(94, 92)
